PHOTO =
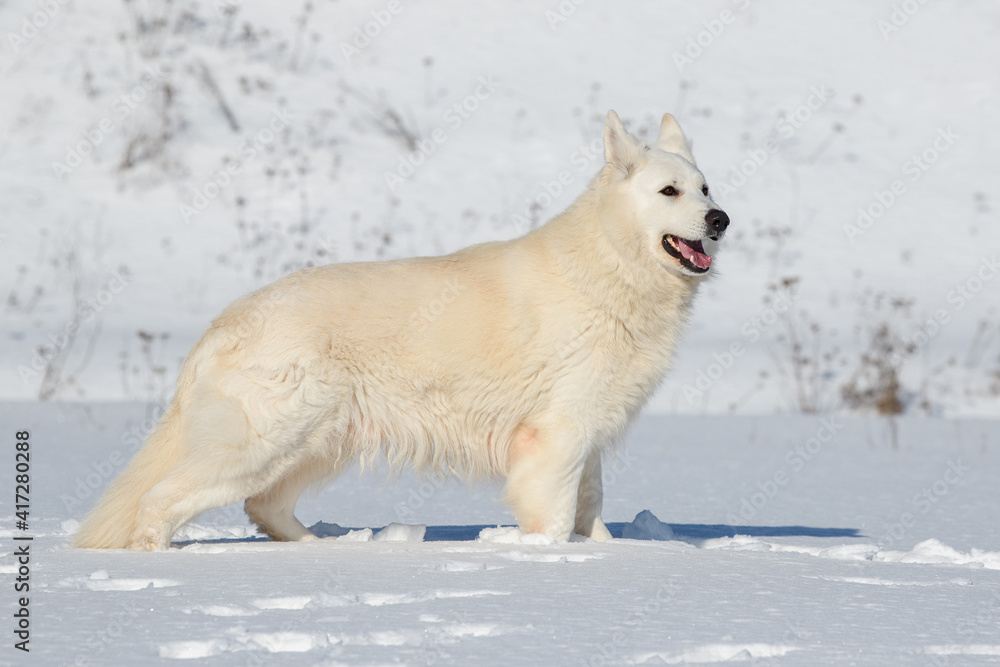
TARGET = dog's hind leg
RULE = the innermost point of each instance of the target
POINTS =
(589, 501)
(224, 460)
(185, 493)
(274, 510)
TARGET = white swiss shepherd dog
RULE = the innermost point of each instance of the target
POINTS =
(522, 360)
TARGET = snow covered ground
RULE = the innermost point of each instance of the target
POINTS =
(853, 145)
(784, 540)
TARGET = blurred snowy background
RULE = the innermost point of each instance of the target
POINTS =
(159, 159)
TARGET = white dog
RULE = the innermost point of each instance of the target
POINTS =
(522, 360)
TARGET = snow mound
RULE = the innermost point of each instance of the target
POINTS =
(645, 526)
(294, 602)
(241, 640)
(963, 649)
(362, 535)
(462, 566)
(400, 532)
(718, 653)
(850, 552)
(221, 610)
(933, 551)
(188, 650)
(747, 543)
(284, 642)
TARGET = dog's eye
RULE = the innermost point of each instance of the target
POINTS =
(669, 191)
(704, 190)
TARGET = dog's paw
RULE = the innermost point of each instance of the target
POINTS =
(147, 540)
(596, 530)
(600, 532)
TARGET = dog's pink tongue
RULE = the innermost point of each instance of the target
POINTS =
(695, 254)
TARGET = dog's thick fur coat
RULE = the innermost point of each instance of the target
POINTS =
(520, 360)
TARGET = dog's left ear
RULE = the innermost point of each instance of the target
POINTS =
(672, 139)
(622, 151)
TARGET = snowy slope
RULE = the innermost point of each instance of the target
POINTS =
(816, 568)
(838, 104)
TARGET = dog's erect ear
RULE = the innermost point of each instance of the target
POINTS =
(672, 139)
(621, 150)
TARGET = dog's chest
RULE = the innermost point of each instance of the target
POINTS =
(612, 366)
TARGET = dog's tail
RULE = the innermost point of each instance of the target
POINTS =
(112, 523)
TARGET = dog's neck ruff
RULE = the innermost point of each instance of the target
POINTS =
(632, 289)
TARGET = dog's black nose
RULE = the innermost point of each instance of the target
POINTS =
(717, 221)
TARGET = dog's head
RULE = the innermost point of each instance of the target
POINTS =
(666, 198)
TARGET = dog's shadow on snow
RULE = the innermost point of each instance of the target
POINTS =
(693, 533)
(701, 531)
(686, 532)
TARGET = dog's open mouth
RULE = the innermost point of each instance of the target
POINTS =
(690, 254)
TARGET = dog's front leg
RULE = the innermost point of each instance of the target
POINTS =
(544, 480)
(590, 501)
